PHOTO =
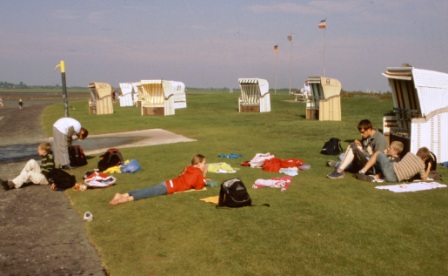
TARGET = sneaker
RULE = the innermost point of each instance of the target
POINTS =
(7, 185)
(332, 163)
(67, 167)
(335, 175)
(365, 177)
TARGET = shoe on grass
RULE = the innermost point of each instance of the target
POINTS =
(335, 175)
(365, 177)
(332, 163)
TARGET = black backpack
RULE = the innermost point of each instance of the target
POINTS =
(77, 156)
(332, 147)
(62, 179)
(111, 158)
(233, 194)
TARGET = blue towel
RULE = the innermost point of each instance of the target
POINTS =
(231, 156)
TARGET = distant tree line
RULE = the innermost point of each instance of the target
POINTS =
(5, 84)
(22, 85)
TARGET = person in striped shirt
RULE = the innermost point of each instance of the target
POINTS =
(33, 171)
(410, 165)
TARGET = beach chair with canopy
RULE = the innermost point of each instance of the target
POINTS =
(101, 98)
(325, 102)
(127, 93)
(420, 109)
(180, 98)
(157, 98)
(255, 95)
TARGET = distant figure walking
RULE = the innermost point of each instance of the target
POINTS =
(20, 104)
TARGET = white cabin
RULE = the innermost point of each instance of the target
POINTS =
(255, 95)
(420, 110)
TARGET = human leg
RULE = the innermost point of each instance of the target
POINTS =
(153, 191)
(387, 167)
(30, 173)
(346, 161)
(60, 148)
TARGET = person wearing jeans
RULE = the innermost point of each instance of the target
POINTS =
(193, 177)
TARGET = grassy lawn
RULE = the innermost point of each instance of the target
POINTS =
(317, 227)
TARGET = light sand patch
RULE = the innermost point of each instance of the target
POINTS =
(139, 138)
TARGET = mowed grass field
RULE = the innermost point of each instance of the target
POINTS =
(316, 227)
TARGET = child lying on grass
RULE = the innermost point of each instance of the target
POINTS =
(193, 177)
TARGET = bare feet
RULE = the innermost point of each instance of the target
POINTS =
(120, 198)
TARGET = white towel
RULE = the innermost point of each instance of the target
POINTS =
(414, 187)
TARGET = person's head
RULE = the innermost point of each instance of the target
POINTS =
(396, 148)
(198, 160)
(307, 83)
(365, 128)
(44, 148)
(423, 153)
(83, 133)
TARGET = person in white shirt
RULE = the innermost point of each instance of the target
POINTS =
(306, 89)
(63, 131)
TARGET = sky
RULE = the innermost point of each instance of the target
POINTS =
(212, 43)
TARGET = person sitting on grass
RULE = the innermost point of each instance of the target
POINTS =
(358, 152)
(193, 177)
(393, 153)
(33, 171)
(405, 169)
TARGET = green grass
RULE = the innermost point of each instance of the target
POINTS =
(317, 227)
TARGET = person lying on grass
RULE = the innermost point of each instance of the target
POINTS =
(193, 177)
(405, 169)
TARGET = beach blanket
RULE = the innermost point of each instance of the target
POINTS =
(413, 187)
(191, 190)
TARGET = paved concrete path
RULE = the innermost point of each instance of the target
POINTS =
(40, 233)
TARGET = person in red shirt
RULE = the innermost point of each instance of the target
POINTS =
(193, 177)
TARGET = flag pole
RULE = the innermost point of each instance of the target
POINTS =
(290, 61)
(323, 25)
(276, 67)
(325, 50)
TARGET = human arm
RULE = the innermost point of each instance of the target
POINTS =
(426, 174)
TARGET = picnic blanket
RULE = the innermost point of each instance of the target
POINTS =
(413, 187)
